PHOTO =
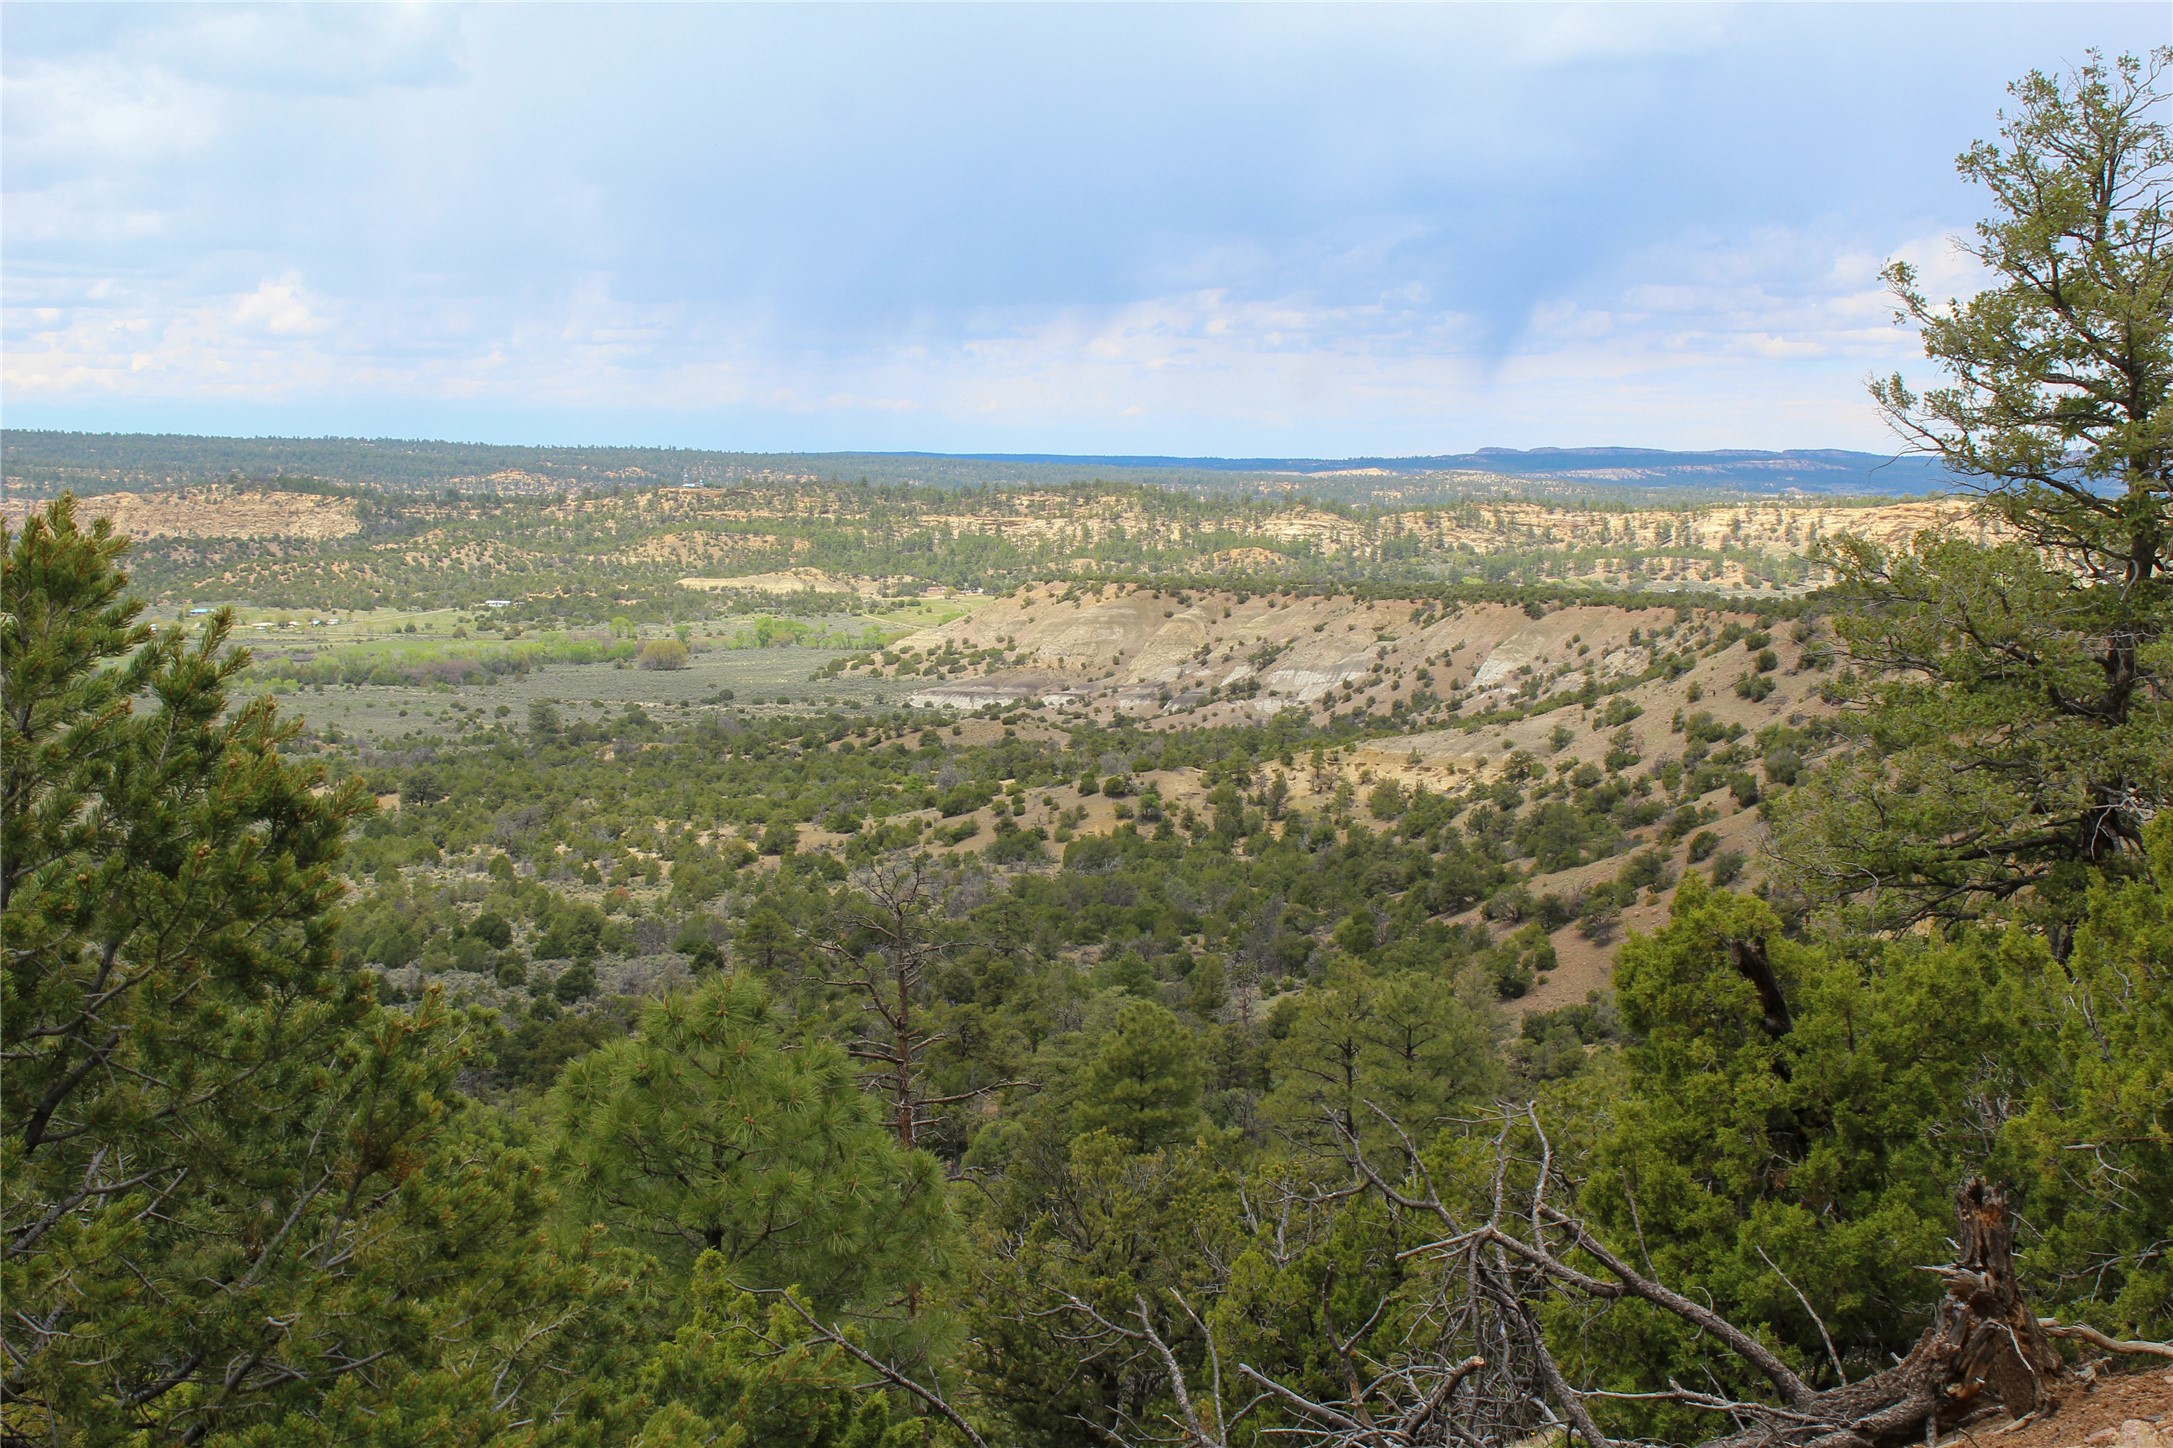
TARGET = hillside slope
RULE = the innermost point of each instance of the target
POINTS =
(1221, 657)
(1581, 695)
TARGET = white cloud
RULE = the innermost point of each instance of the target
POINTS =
(1777, 293)
(1572, 34)
(280, 308)
(104, 112)
(1384, 229)
(1706, 341)
(316, 49)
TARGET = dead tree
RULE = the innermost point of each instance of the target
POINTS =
(889, 929)
(1405, 1403)
(1983, 1351)
(1468, 1365)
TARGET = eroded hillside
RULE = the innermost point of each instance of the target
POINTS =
(217, 512)
(1212, 657)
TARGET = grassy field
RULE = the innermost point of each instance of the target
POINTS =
(273, 631)
(912, 615)
(760, 681)
(305, 628)
(726, 672)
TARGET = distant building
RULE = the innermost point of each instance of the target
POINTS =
(497, 603)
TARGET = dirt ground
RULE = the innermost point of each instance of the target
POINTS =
(214, 512)
(2127, 1410)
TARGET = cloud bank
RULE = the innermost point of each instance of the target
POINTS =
(1225, 229)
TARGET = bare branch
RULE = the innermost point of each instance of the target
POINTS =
(2054, 1328)
(932, 1397)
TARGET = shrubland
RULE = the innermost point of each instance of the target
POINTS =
(1045, 1074)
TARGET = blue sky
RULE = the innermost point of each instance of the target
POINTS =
(1221, 229)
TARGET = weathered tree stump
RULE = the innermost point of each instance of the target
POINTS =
(1984, 1346)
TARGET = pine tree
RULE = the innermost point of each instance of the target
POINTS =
(1362, 1045)
(722, 1378)
(2017, 728)
(229, 1182)
(711, 1131)
(2093, 1146)
(1143, 1085)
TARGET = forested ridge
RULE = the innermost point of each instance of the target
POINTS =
(87, 463)
(300, 543)
(888, 1074)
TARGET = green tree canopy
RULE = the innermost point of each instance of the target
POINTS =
(1402, 1042)
(2094, 1146)
(711, 1130)
(721, 1381)
(1786, 1115)
(1143, 1085)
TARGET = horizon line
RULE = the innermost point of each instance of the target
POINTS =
(1147, 460)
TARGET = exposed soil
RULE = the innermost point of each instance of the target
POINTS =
(215, 512)
(1207, 658)
(2127, 1410)
(790, 580)
(1171, 659)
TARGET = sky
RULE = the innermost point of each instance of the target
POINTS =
(1225, 229)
